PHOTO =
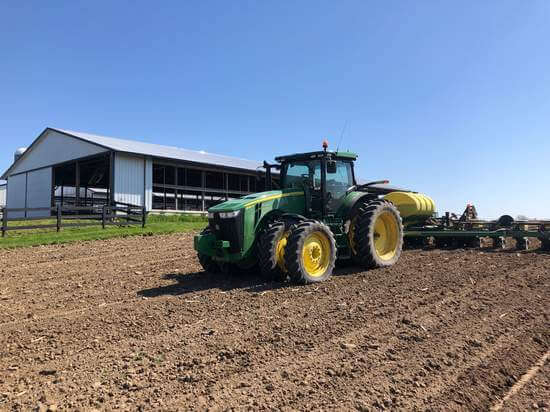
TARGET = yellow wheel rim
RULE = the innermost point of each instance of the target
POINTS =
(316, 254)
(280, 251)
(386, 233)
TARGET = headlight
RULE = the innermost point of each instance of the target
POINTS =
(227, 215)
(210, 215)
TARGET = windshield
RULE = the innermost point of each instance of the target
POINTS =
(298, 173)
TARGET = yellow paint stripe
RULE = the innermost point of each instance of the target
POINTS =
(273, 197)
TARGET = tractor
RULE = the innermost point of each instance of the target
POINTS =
(297, 232)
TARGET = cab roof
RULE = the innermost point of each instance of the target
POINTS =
(317, 155)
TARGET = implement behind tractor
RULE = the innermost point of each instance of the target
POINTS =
(319, 214)
(467, 230)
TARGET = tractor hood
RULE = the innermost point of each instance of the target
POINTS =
(251, 200)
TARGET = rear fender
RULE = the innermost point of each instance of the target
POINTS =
(352, 201)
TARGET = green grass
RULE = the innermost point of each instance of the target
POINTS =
(156, 224)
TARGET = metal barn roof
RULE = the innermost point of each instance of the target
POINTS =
(168, 152)
(149, 149)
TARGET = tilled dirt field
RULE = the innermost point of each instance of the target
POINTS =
(134, 324)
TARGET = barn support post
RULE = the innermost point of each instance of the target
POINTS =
(103, 215)
(203, 184)
(226, 185)
(176, 200)
(143, 217)
(58, 214)
(77, 183)
(111, 177)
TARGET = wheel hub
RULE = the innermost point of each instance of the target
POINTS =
(316, 251)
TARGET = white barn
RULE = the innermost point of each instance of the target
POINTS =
(73, 168)
(2, 194)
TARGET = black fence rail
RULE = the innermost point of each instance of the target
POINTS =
(117, 213)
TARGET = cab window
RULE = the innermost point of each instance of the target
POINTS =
(296, 174)
(338, 183)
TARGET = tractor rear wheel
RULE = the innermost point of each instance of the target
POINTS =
(271, 249)
(310, 253)
(377, 234)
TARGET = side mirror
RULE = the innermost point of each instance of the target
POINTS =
(331, 167)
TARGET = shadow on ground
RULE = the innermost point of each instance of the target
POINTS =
(202, 281)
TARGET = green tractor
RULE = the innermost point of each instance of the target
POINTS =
(319, 214)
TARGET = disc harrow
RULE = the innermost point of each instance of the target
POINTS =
(467, 231)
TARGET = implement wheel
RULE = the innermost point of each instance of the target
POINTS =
(271, 251)
(207, 263)
(310, 253)
(377, 232)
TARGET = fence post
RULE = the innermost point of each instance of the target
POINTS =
(4, 221)
(127, 215)
(103, 216)
(143, 217)
(59, 209)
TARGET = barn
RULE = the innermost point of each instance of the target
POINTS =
(69, 168)
(2, 194)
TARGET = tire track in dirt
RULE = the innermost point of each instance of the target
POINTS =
(86, 251)
(321, 355)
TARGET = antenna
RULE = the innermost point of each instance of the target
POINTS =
(342, 135)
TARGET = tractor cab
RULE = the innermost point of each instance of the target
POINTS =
(325, 177)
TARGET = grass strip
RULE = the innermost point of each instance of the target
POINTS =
(156, 225)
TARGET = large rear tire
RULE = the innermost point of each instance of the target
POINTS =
(310, 253)
(377, 234)
(271, 250)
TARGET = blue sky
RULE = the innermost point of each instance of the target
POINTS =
(448, 98)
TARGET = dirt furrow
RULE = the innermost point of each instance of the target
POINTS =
(136, 324)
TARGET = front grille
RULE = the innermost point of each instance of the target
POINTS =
(230, 229)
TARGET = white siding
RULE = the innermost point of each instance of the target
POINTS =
(17, 188)
(149, 184)
(129, 179)
(2, 196)
(54, 147)
(39, 191)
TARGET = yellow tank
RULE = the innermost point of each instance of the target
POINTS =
(413, 207)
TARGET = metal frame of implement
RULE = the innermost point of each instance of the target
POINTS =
(451, 231)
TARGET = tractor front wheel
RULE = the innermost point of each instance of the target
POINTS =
(377, 234)
(208, 264)
(310, 253)
(271, 250)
